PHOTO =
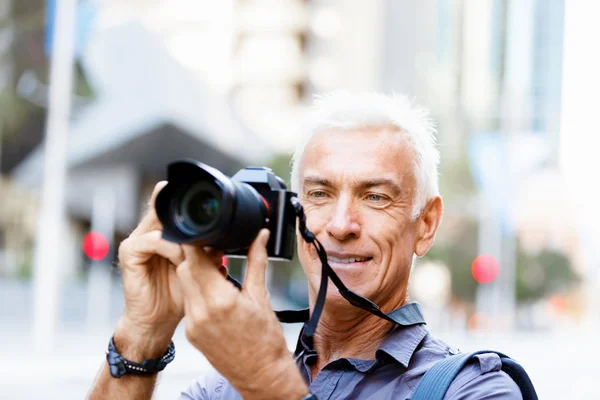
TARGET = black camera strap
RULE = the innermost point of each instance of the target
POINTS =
(303, 316)
(326, 272)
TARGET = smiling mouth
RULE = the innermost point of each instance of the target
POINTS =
(348, 260)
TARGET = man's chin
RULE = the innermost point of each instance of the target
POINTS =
(350, 279)
(336, 300)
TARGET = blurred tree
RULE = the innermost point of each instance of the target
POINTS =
(538, 275)
(543, 274)
(281, 166)
(457, 241)
(13, 113)
(458, 252)
(24, 68)
(21, 119)
(456, 181)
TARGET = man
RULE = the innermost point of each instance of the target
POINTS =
(366, 175)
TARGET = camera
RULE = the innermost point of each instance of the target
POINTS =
(201, 204)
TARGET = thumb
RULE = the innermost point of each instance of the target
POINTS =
(255, 280)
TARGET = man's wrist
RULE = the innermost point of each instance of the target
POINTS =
(137, 343)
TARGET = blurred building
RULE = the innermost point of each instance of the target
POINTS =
(229, 83)
(6, 35)
(484, 67)
(480, 65)
(17, 211)
(271, 56)
(252, 51)
(148, 110)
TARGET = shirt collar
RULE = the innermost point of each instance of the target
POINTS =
(400, 344)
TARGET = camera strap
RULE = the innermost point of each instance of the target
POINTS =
(285, 316)
(326, 272)
(303, 315)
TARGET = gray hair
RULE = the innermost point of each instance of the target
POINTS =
(343, 110)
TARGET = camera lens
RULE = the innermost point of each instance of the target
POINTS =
(202, 208)
(200, 204)
(199, 208)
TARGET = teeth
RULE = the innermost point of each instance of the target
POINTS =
(347, 259)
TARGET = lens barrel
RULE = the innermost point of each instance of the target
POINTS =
(200, 204)
(199, 207)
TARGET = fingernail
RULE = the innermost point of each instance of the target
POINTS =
(265, 233)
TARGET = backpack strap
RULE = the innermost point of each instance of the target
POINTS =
(518, 374)
(437, 380)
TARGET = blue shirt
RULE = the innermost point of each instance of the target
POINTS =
(399, 364)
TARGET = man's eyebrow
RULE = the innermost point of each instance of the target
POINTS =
(380, 182)
(367, 184)
(317, 181)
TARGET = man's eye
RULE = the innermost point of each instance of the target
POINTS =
(317, 194)
(375, 197)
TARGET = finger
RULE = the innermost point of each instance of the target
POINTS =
(192, 292)
(215, 255)
(224, 270)
(204, 294)
(150, 221)
(194, 306)
(255, 280)
(151, 243)
(204, 270)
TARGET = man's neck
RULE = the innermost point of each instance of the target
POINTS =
(353, 333)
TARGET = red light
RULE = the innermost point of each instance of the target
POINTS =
(557, 304)
(485, 268)
(95, 246)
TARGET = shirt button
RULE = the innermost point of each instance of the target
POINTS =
(453, 351)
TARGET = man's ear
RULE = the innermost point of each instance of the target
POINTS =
(428, 223)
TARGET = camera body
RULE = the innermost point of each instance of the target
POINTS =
(200, 204)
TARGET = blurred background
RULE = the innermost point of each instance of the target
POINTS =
(97, 97)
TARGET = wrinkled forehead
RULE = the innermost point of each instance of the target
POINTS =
(346, 156)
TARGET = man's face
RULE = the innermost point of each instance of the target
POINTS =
(358, 188)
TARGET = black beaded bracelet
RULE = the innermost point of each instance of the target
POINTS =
(120, 366)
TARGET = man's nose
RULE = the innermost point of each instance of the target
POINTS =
(344, 224)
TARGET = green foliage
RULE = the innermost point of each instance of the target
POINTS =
(14, 112)
(27, 20)
(458, 254)
(538, 275)
(543, 274)
(280, 164)
(455, 178)
(459, 247)
(25, 267)
(81, 86)
(27, 16)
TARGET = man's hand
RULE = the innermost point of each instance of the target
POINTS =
(153, 305)
(237, 331)
(153, 293)
(153, 296)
